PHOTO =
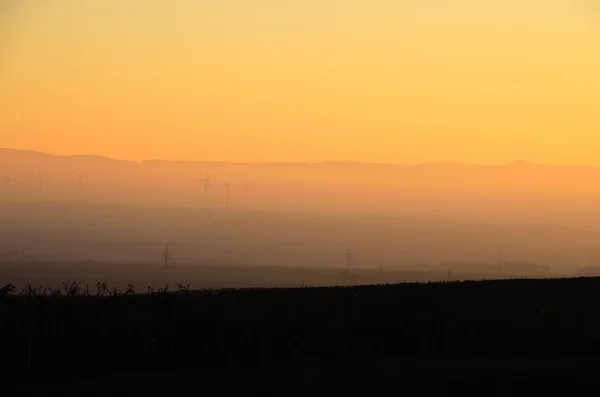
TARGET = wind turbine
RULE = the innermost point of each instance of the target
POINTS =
(227, 194)
(80, 178)
(207, 185)
(9, 182)
(41, 179)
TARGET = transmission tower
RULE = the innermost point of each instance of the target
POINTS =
(166, 255)
(348, 257)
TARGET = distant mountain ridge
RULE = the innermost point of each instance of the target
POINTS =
(515, 163)
(14, 152)
(520, 188)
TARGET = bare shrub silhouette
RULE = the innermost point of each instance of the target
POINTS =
(130, 290)
(72, 288)
(102, 289)
(7, 289)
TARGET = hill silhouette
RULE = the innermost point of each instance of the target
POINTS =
(520, 187)
(14, 158)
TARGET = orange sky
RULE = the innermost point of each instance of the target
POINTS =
(270, 80)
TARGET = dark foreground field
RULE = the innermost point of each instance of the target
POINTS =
(518, 337)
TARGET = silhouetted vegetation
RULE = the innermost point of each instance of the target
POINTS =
(103, 329)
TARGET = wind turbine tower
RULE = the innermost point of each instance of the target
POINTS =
(9, 181)
(80, 179)
(227, 194)
(41, 179)
(207, 185)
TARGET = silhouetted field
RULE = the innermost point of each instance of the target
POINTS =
(488, 334)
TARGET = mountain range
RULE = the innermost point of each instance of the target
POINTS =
(330, 185)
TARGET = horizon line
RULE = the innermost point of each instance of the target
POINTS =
(140, 162)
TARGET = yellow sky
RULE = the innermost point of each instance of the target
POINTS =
(401, 81)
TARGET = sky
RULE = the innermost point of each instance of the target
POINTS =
(394, 81)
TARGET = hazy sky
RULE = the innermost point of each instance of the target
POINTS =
(303, 80)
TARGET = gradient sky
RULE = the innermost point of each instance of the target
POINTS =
(401, 81)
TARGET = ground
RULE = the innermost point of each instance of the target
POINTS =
(517, 337)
